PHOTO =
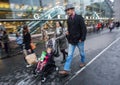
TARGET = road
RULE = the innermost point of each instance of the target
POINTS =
(102, 71)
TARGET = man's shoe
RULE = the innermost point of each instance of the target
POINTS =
(64, 72)
(82, 65)
(28, 66)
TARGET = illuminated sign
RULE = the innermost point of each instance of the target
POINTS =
(37, 16)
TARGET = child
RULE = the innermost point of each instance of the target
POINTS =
(43, 59)
(19, 40)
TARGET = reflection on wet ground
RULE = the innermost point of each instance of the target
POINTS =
(13, 71)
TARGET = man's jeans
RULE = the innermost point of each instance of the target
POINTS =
(71, 49)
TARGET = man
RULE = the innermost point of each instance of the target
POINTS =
(76, 36)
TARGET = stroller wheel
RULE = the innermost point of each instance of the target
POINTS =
(56, 68)
(43, 80)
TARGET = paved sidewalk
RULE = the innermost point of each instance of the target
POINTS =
(13, 70)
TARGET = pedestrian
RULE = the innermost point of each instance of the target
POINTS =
(98, 27)
(62, 41)
(111, 26)
(27, 39)
(1, 43)
(19, 40)
(94, 28)
(27, 42)
(2, 28)
(44, 33)
(1, 35)
(76, 36)
(117, 24)
(102, 25)
(5, 40)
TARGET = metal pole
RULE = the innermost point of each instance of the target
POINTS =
(41, 4)
(100, 9)
(32, 7)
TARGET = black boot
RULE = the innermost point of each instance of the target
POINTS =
(65, 54)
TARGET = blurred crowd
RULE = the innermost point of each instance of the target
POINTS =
(101, 25)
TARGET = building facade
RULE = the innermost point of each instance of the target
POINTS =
(47, 9)
(24, 9)
(116, 8)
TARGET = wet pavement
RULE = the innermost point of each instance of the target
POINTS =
(103, 71)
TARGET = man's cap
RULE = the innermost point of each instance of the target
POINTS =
(69, 6)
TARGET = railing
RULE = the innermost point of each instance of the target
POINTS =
(52, 12)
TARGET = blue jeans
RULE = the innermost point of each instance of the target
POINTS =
(71, 49)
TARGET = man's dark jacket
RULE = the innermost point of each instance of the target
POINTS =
(77, 29)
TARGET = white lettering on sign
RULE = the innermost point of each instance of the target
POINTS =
(58, 16)
(49, 16)
(36, 16)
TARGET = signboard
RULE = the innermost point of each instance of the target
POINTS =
(37, 16)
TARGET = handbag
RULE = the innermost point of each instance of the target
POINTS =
(33, 46)
(56, 50)
(31, 59)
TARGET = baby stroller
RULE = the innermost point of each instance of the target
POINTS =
(46, 64)
(53, 43)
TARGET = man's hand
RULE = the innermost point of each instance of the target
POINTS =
(80, 41)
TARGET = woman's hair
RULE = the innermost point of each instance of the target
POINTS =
(25, 29)
(60, 24)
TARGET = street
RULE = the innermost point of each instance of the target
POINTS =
(104, 70)
(102, 58)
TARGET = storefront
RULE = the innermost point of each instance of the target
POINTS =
(24, 9)
(19, 12)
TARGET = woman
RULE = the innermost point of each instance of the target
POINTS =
(60, 35)
(111, 26)
(27, 41)
(1, 35)
(5, 41)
